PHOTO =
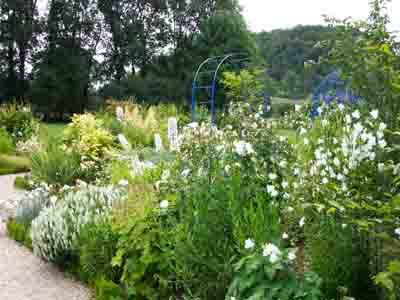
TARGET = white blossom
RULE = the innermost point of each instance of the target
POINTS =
(164, 204)
(243, 148)
(249, 244)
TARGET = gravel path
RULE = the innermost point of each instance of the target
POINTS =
(24, 276)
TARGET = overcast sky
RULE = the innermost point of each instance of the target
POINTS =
(272, 14)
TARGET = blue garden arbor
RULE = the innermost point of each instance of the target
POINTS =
(205, 82)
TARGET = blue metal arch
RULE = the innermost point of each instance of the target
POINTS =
(216, 63)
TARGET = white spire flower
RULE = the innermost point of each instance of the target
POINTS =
(119, 113)
(285, 236)
(124, 142)
(302, 221)
(173, 133)
(158, 143)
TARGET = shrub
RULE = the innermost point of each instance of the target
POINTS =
(272, 276)
(19, 232)
(6, 143)
(56, 230)
(107, 290)
(23, 183)
(55, 166)
(338, 254)
(86, 136)
(18, 121)
(97, 245)
(32, 203)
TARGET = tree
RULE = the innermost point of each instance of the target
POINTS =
(368, 57)
(19, 26)
(63, 70)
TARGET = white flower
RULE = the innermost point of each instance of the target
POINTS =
(297, 107)
(272, 191)
(119, 112)
(381, 167)
(164, 204)
(397, 231)
(303, 131)
(243, 148)
(249, 244)
(382, 143)
(158, 142)
(123, 182)
(272, 251)
(382, 126)
(124, 142)
(324, 123)
(227, 168)
(302, 221)
(336, 162)
(306, 141)
(356, 114)
(319, 110)
(292, 255)
(285, 236)
(374, 114)
(341, 107)
(325, 180)
(272, 176)
(273, 258)
(290, 209)
(185, 173)
(285, 184)
(173, 133)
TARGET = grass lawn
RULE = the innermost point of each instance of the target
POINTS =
(277, 100)
(10, 164)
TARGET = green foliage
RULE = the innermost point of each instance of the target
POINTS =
(19, 232)
(23, 183)
(145, 264)
(86, 135)
(292, 57)
(108, 290)
(61, 81)
(338, 254)
(18, 121)
(248, 85)
(367, 54)
(55, 166)
(97, 245)
(257, 278)
(6, 143)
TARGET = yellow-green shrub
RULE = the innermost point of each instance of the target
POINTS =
(86, 136)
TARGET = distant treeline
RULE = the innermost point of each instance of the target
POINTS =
(60, 58)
